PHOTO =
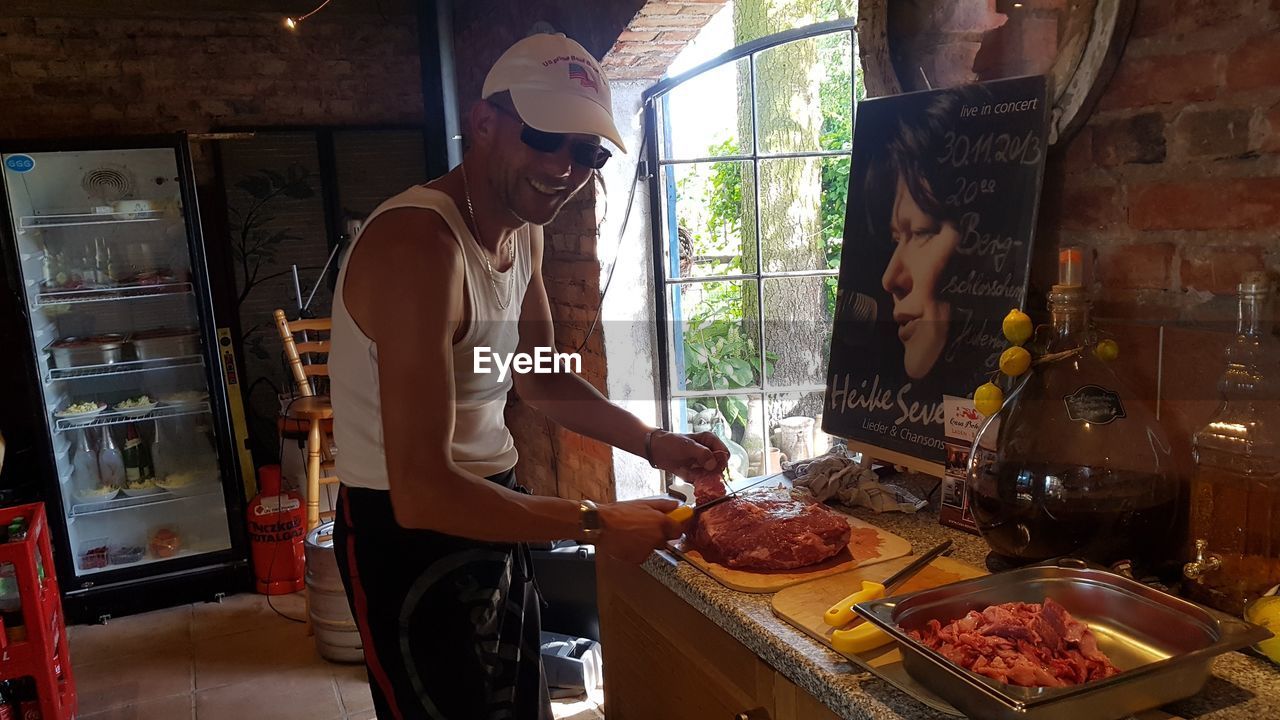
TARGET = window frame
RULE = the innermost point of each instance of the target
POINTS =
(663, 213)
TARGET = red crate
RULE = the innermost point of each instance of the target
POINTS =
(45, 651)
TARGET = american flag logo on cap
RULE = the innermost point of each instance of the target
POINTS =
(582, 75)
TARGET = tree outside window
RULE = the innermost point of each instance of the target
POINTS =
(754, 160)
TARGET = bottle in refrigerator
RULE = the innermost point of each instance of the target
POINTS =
(100, 262)
(47, 272)
(111, 267)
(84, 467)
(161, 452)
(132, 455)
(146, 466)
(110, 461)
(59, 270)
(199, 446)
(83, 273)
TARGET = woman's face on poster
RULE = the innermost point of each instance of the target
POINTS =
(922, 246)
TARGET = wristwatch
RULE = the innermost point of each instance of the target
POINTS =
(589, 520)
(648, 446)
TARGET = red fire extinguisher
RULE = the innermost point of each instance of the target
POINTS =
(277, 524)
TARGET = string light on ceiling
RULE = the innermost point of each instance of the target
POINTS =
(293, 23)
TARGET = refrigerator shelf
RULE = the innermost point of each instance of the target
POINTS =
(123, 368)
(128, 502)
(36, 222)
(124, 416)
(149, 558)
(70, 297)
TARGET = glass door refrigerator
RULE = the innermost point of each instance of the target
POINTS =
(141, 479)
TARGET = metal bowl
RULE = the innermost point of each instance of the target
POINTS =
(73, 352)
(160, 344)
(1163, 645)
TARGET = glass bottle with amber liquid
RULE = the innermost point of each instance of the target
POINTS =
(1075, 463)
(1235, 491)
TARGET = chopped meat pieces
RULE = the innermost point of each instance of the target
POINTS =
(1028, 644)
(767, 530)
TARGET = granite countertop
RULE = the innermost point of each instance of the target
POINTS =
(1242, 687)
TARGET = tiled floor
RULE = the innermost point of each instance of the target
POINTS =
(234, 660)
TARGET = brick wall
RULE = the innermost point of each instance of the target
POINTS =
(656, 35)
(1175, 181)
(144, 66)
(1175, 184)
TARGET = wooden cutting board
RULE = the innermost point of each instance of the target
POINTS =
(802, 606)
(868, 544)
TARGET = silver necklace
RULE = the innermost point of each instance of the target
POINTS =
(511, 247)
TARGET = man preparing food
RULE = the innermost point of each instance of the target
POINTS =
(430, 522)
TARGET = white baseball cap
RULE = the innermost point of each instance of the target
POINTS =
(556, 86)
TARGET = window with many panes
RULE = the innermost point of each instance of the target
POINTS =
(752, 155)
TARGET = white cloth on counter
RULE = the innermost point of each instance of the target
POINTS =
(835, 476)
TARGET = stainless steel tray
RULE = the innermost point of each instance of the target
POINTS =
(98, 350)
(1163, 645)
(178, 343)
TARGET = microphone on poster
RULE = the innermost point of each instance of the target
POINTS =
(856, 307)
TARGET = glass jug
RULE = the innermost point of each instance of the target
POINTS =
(1076, 464)
(1235, 491)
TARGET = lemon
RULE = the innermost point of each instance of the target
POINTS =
(1107, 350)
(1015, 361)
(1017, 327)
(1265, 611)
(988, 399)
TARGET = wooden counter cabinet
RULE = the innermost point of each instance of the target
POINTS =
(664, 659)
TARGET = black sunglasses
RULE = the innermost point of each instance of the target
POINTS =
(584, 153)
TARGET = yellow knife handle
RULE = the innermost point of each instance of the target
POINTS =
(859, 639)
(681, 514)
(842, 613)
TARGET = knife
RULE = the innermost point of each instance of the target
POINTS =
(685, 512)
(842, 612)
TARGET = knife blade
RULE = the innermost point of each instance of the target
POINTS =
(897, 579)
(685, 512)
(842, 612)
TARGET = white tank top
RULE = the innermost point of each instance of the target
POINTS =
(481, 442)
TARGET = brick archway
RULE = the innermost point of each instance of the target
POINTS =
(658, 32)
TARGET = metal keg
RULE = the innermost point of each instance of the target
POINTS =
(337, 638)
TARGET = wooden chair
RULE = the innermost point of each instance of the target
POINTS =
(311, 407)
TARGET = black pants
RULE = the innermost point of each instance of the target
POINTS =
(450, 626)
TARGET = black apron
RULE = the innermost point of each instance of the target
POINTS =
(450, 626)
